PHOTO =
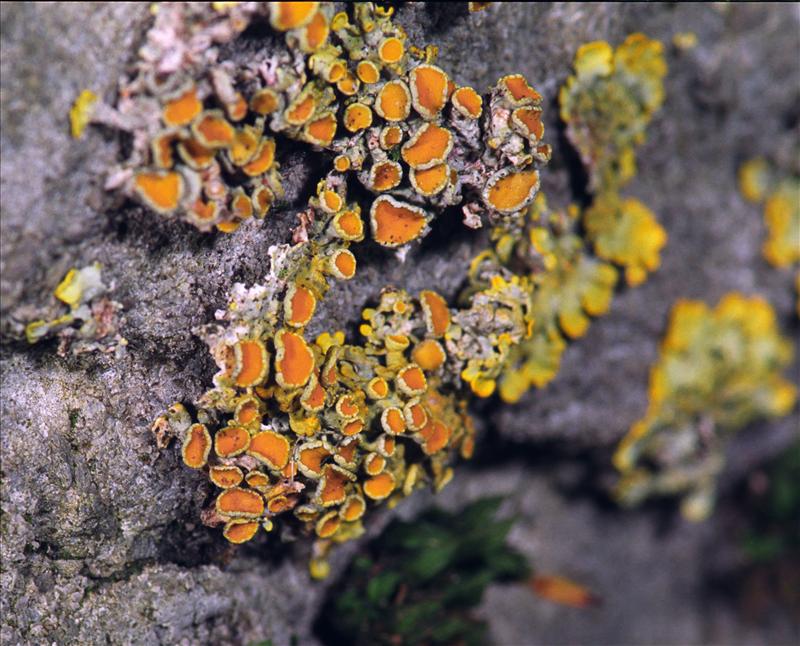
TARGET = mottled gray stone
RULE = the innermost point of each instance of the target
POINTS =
(100, 535)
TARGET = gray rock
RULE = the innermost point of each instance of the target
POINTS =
(101, 541)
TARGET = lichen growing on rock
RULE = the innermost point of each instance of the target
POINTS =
(93, 319)
(719, 370)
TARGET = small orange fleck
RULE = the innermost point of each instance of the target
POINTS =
(429, 355)
(183, 109)
(299, 305)
(380, 486)
(411, 380)
(390, 50)
(429, 90)
(563, 591)
(341, 163)
(468, 102)
(330, 201)
(294, 362)
(263, 159)
(467, 447)
(240, 503)
(386, 445)
(395, 223)
(265, 101)
(252, 363)
(429, 146)
(237, 531)
(225, 477)
(385, 175)
(322, 130)
(291, 15)
(394, 101)
(436, 312)
(231, 441)
(203, 212)
(213, 130)
(160, 190)
(368, 72)
(237, 109)
(196, 446)
(271, 448)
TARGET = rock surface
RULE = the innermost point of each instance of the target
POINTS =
(100, 535)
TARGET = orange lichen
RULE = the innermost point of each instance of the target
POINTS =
(429, 355)
(385, 175)
(236, 109)
(330, 201)
(315, 34)
(322, 130)
(391, 50)
(265, 101)
(415, 415)
(395, 223)
(263, 159)
(241, 205)
(380, 486)
(353, 509)
(429, 90)
(310, 457)
(238, 531)
(195, 154)
(349, 225)
(161, 148)
(374, 464)
(352, 428)
(294, 362)
(377, 388)
(183, 109)
(301, 110)
(239, 503)
(332, 486)
(390, 137)
(468, 102)
(346, 451)
(213, 130)
(313, 398)
(346, 407)
(343, 264)
(411, 380)
(160, 190)
(244, 146)
(298, 306)
(394, 101)
(225, 477)
(328, 525)
(196, 446)
(271, 448)
(510, 192)
(357, 117)
(248, 411)
(252, 363)
(429, 146)
(436, 312)
(231, 441)
(518, 90)
(529, 122)
(430, 181)
(262, 199)
(341, 163)
(436, 436)
(257, 480)
(348, 85)
(284, 16)
(392, 421)
(368, 72)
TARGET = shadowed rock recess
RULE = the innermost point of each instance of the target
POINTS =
(101, 538)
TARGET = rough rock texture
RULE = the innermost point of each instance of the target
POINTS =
(99, 530)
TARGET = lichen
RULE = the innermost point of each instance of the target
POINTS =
(719, 369)
(92, 322)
